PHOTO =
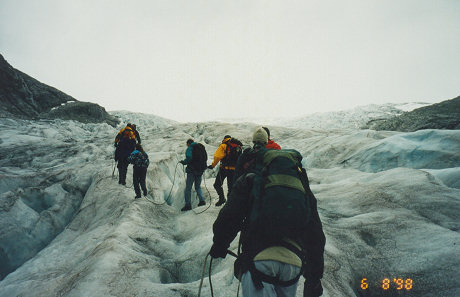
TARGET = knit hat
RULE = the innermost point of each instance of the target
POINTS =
(260, 136)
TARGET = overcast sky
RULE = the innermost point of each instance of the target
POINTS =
(201, 60)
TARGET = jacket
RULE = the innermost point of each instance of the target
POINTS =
(125, 143)
(126, 133)
(220, 154)
(231, 220)
(189, 158)
(272, 145)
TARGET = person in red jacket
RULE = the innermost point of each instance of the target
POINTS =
(271, 144)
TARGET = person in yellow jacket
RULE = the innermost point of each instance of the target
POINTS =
(125, 143)
(227, 154)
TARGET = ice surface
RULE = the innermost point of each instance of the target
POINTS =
(389, 202)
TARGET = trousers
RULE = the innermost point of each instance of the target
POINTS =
(284, 271)
(193, 178)
(221, 175)
(139, 174)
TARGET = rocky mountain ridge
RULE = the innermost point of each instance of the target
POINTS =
(22, 96)
(443, 115)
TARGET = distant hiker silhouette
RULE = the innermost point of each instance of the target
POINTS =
(195, 159)
(125, 143)
(140, 160)
(281, 232)
(227, 154)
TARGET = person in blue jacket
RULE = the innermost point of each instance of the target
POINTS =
(195, 159)
(140, 160)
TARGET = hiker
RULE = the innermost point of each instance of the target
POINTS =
(140, 160)
(227, 154)
(246, 161)
(271, 144)
(281, 232)
(125, 143)
(195, 159)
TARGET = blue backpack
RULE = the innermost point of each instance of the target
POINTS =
(139, 159)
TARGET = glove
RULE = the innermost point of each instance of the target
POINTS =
(217, 251)
(115, 144)
(312, 289)
(210, 167)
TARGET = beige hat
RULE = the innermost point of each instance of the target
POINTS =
(260, 136)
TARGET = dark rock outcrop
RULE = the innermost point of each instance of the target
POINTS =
(84, 112)
(22, 96)
(443, 115)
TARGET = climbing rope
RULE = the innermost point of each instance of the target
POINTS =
(209, 274)
(174, 181)
(202, 274)
(170, 191)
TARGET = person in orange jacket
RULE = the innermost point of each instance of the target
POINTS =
(271, 144)
(227, 154)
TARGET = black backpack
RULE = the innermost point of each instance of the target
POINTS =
(281, 203)
(199, 157)
(233, 152)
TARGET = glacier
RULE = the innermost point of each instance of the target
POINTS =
(389, 203)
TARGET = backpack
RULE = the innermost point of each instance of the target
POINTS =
(233, 151)
(280, 194)
(199, 157)
(140, 160)
(125, 134)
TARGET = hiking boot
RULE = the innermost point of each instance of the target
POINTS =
(145, 194)
(220, 202)
(187, 207)
(137, 197)
(201, 203)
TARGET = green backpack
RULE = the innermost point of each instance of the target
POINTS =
(281, 203)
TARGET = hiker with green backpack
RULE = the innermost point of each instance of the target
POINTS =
(281, 233)
(195, 159)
